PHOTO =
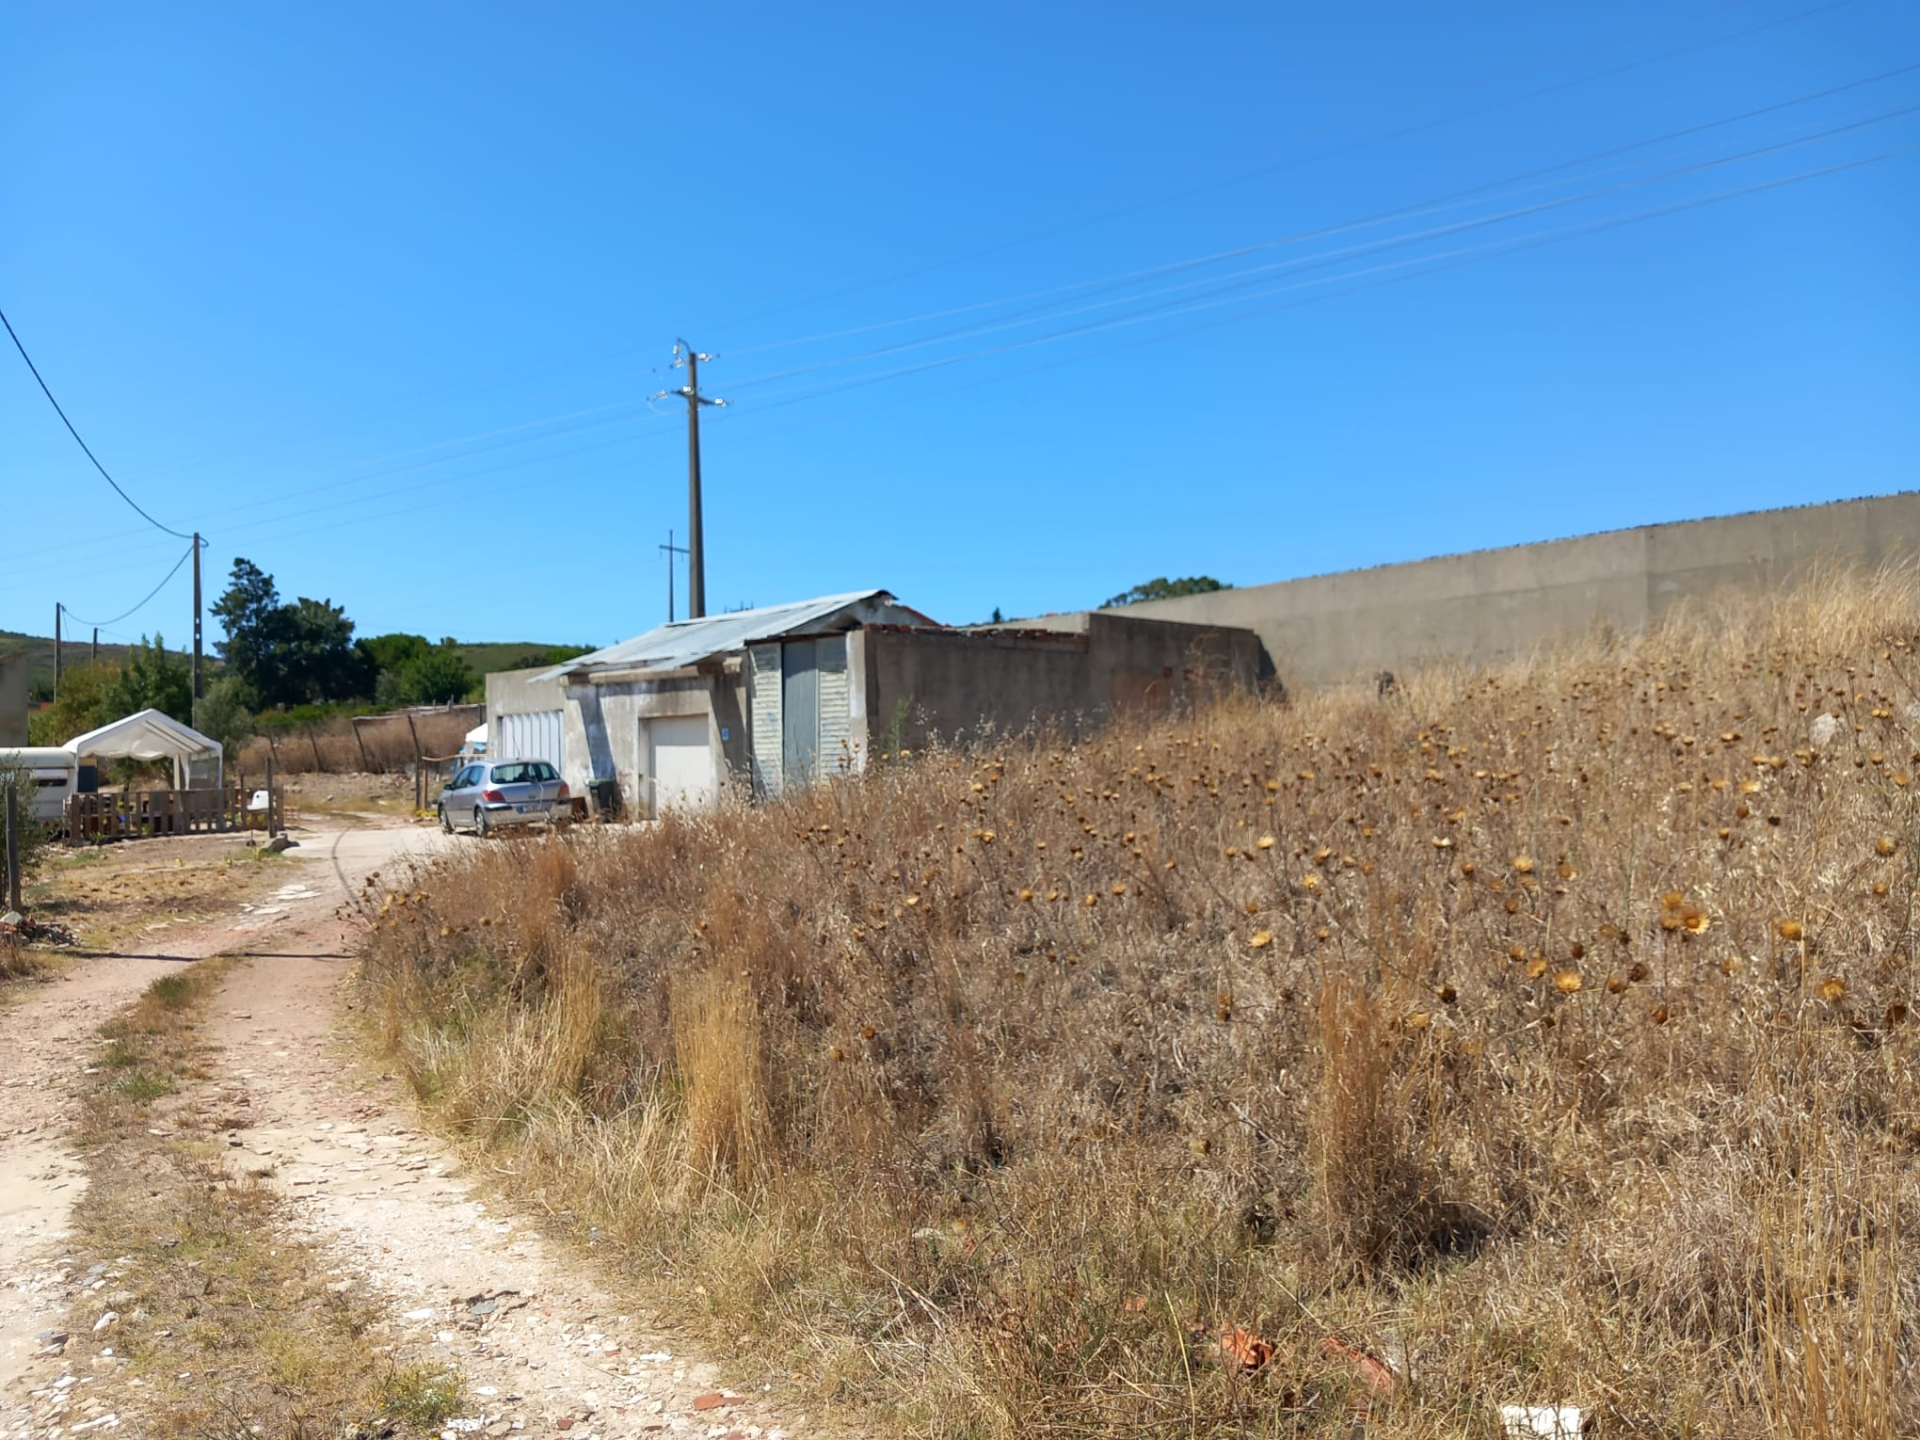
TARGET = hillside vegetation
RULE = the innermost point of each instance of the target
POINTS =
(1539, 1034)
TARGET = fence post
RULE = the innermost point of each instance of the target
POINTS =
(270, 829)
(13, 849)
(419, 767)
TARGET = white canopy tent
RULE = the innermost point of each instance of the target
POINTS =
(153, 735)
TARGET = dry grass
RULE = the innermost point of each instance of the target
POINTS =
(19, 962)
(1542, 1031)
(136, 891)
(383, 744)
(226, 1321)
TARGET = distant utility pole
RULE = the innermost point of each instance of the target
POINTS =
(57, 608)
(196, 618)
(685, 355)
(672, 550)
(94, 658)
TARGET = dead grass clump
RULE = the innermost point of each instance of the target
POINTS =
(717, 1054)
(1375, 1189)
(18, 962)
(1540, 1034)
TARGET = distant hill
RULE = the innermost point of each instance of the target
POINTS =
(485, 656)
(39, 653)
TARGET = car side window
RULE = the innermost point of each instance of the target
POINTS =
(463, 779)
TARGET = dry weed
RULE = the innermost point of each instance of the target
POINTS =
(1542, 1031)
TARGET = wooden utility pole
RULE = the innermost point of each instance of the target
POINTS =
(685, 355)
(672, 550)
(197, 692)
(57, 608)
(13, 845)
(93, 657)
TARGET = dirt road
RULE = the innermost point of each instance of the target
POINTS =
(541, 1346)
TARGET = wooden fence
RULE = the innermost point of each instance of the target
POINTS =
(139, 813)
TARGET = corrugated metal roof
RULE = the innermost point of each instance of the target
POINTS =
(687, 642)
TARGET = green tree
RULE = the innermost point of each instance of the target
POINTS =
(249, 611)
(222, 713)
(295, 654)
(390, 652)
(318, 662)
(1162, 588)
(80, 706)
(439, 677)
(151, 679)
(33, 834)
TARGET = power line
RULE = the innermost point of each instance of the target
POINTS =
(1427, 265)
(1270, 168)
(1413, 268)
(1397, 212)
(102, 624)
(1466, 255)
(177, 534)
(1241, 279)
(599, 419)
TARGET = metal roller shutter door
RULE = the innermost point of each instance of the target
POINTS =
(535, 735)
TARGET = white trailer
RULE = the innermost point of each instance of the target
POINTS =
(53, 773)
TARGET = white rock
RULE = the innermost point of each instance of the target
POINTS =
(1821, 732)
(1542, 1422)
(106, 1321)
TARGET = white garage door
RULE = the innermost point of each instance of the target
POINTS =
(533, 736)
(682, 767)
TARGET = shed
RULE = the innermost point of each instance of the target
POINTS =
(664, 716)
(765, 701)
(155, 735)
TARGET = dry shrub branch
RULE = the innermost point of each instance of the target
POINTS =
(1541, 1031)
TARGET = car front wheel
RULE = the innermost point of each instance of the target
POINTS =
(446, 821)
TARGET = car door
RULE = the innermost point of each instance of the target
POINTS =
(548, 780)
(458, 798)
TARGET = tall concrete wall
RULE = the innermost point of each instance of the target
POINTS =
(13, 699)
(917, 683)
(1493, 604)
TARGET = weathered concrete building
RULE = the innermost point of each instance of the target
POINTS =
(761, 700)
(1492, 604)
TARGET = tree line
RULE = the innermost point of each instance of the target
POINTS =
(278, 662)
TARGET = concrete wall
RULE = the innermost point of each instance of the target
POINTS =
(1496, 603)
(918, 684)
(13, 700)
(914, 684)
(602, 719)
(516, 692)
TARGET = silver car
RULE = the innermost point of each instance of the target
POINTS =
(489, 795)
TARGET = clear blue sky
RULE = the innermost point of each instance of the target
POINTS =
(375, 295)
